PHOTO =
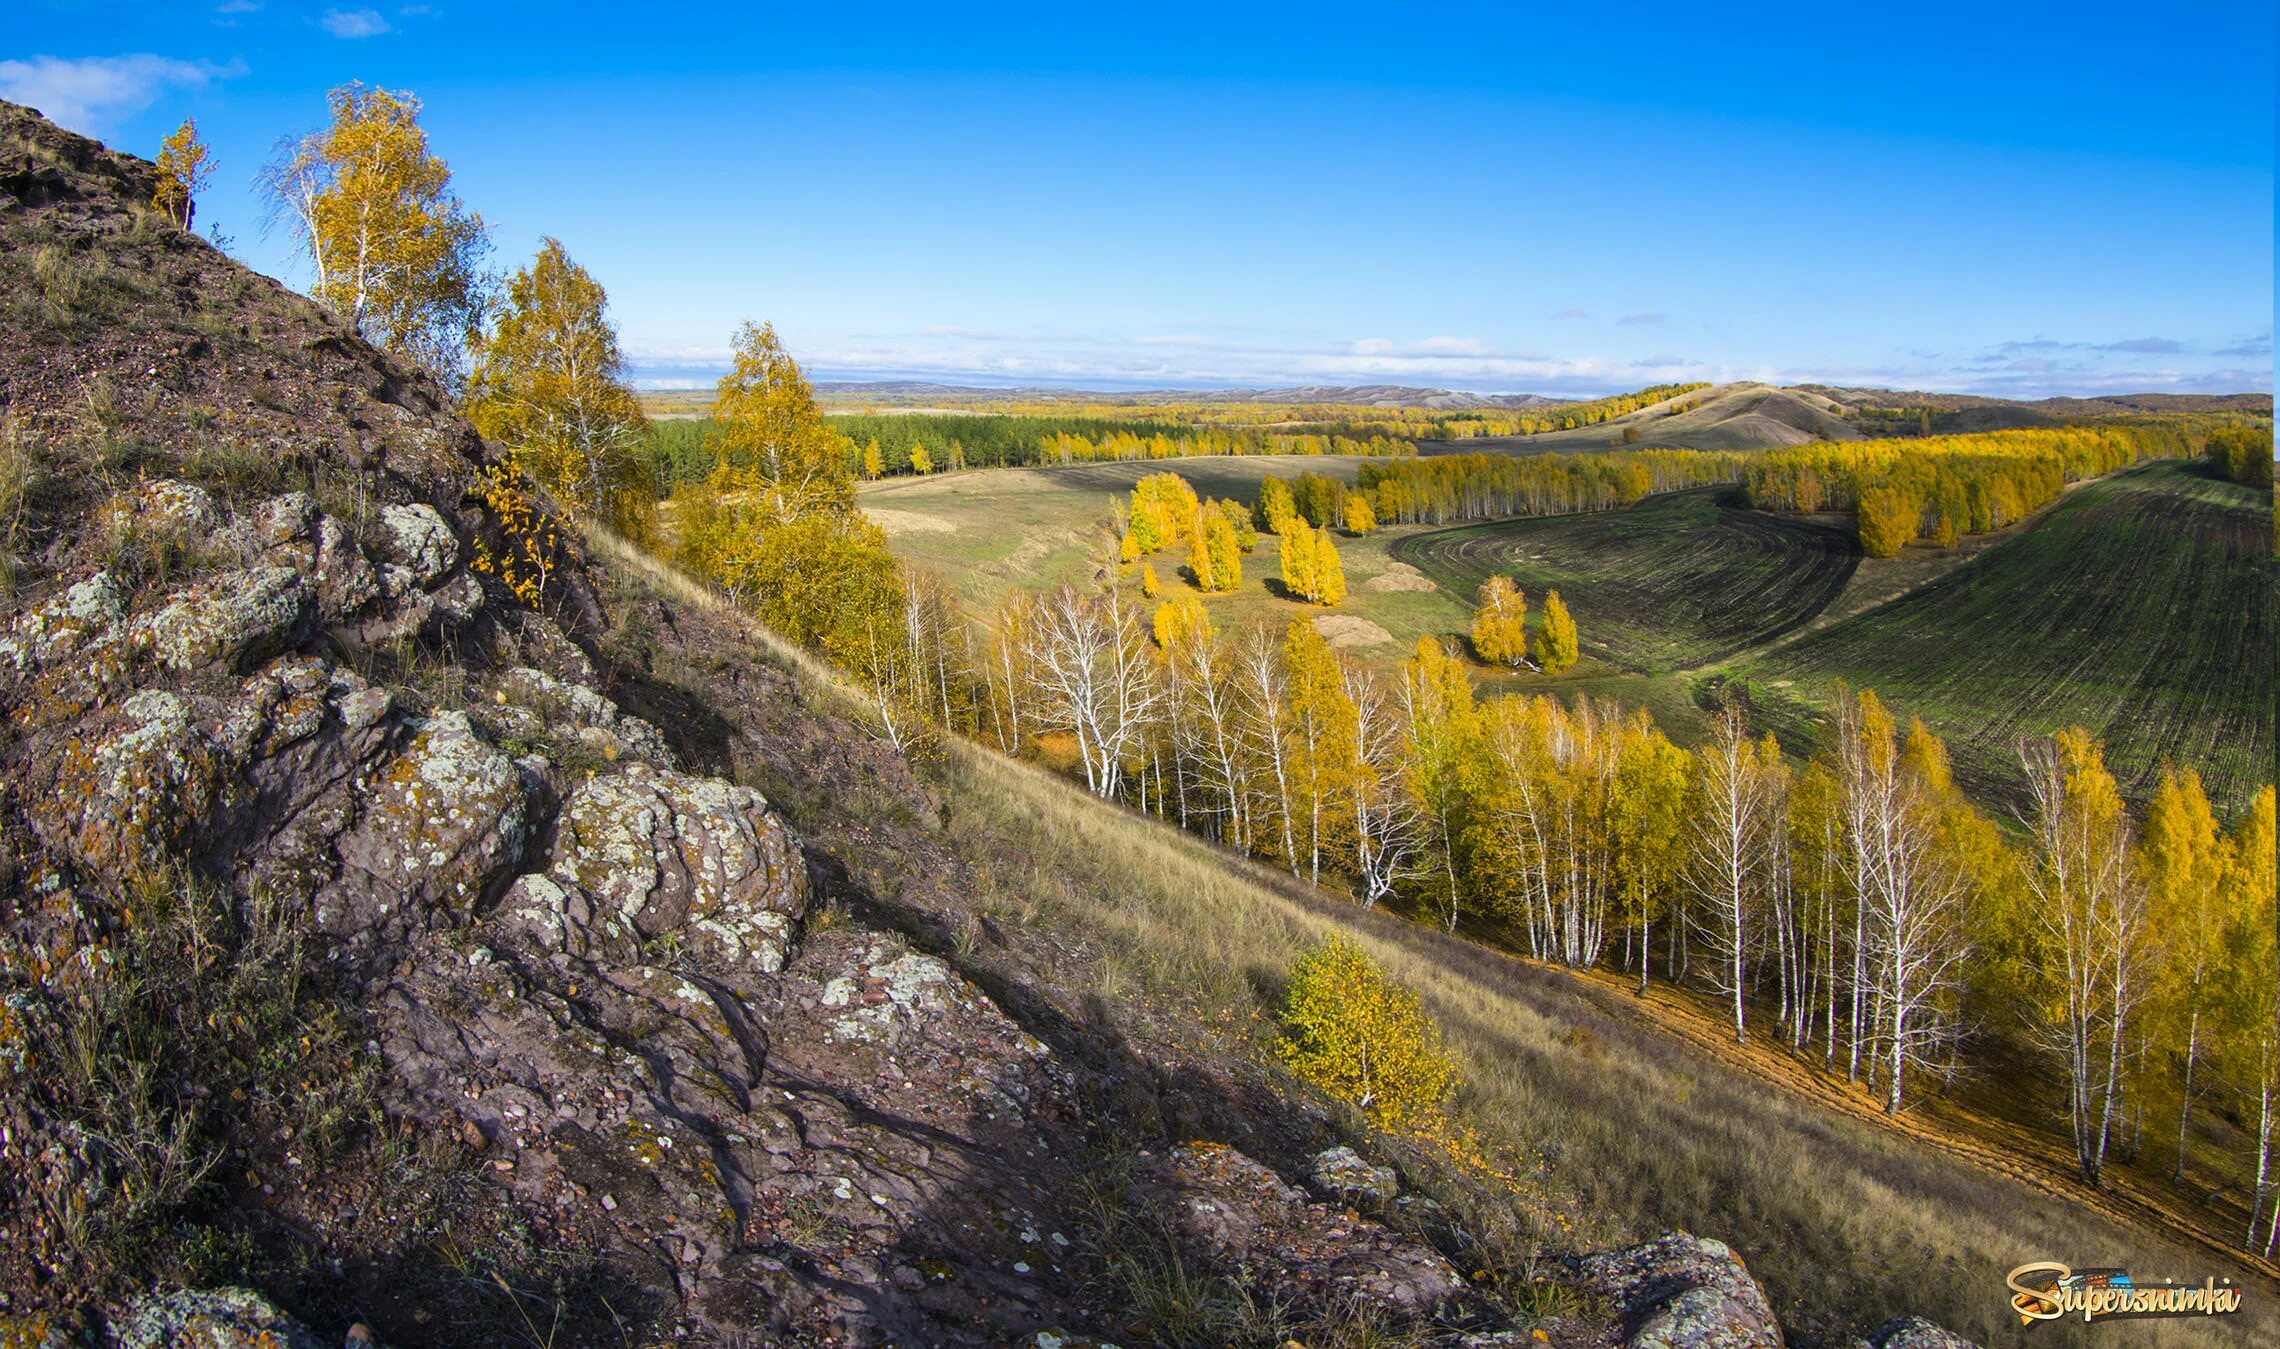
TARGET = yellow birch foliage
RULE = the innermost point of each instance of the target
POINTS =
(1360, 519)
(1362, 1038)
(1214, 557)
(1556, 645)
(185, 165)
(1888, 521)
(1500, 615)
(768, 435)
(549, 384)
(1181, 620)
(394, 252)
(1329, 572)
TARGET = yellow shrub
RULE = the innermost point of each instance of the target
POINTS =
(1362, 1038)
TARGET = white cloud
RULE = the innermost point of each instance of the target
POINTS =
(354, 23)
(93, 94)
(952, 355)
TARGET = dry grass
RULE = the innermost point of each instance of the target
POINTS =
(1606, 1128)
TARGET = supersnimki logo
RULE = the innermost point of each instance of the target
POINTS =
(2047, 1291)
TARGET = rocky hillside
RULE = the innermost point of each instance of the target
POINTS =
(383, 956)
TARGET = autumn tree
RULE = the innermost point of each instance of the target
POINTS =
(2242, 453)
(2181, 856)
(774, 524)
(1276, 507)
(1909, 942)
(1214, 559)
(768, 436)
(2247, 1043)
(1092, 676)
(1360, 519)
(1647, 819)
(1323, 746)
(1499, 626)
(1311, 570)
(921, 462)
(1299, 568)
(185, 166)
(1888, 522)
(549, 385)
(2097, 942)
(1443, 735)
(1388, 828)
(874, 462)
(393, 250)
(1239, 520)
(1732, 850)
(1329, 572)
(1556, 643)
(1354, 1033)
(1005, 669)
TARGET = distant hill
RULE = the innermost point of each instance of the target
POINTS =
(1742, 416)
(1751, 416)
(1956, 413)
(894, 392)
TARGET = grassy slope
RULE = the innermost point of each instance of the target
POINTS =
(2139, 607)
(1678, 581)
(1612, 1127)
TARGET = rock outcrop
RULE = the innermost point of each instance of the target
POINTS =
(1684, 1292)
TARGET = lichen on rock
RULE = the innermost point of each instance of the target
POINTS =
(1681, 1291)
(220, 1318)
(443, 821)
(648, 856)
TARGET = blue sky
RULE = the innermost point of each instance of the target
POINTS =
(2048, 199)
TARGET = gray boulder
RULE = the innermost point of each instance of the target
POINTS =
(220, 1318)
(646, 856)
(1683, 1292)
(1914, 1332)
(1342, 1174)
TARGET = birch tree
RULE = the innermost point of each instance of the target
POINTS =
(2091, 906)
(549, 384)
(1092, 675)
(393, 250)
(1728, 857)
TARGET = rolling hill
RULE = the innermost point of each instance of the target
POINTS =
(1744, 416)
